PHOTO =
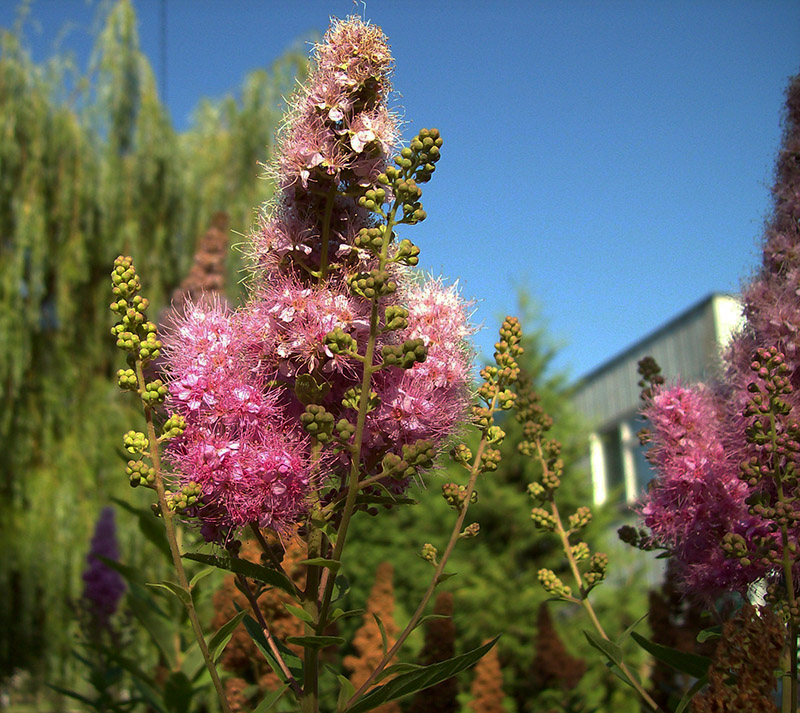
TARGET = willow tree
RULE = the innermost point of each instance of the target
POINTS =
(85, 176)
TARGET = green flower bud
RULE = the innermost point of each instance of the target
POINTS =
(404, 355)
(490, 460)
(395, 317)
(139, 473)
(462, 454)
(352, 399)
(543, 519)
(580, 551)
(317, 422)
(580, 518)
(429, 553)
(174, 426)
(339, 342)
(456, 496)
(537, 491)
(471, 531)
(126, 378)
(552, 584)
(345, 429)
(135, 442)
(154, 393)
(495, 434)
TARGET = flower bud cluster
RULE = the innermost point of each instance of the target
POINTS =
(456, 496)
(471, 530)
(429, 553)
(140, 473)
(553, 585)
(598, 564)
(134, 333)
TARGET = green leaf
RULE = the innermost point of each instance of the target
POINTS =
(418, 680)
(159, 626)
(269, 701)
(219, 641)
(687, 697)
(193, 663)
(332, 565)
(327, 529)
(202, 574)
(178, 693)
(629, 630)
(696, 666)
(346, 692)
(396, 669)
(444, 576)
(152, 696)
(131, 574)
(300, 613)
(341, 586)
(715, 632)
(316, 642)
(341, 614)
(608, 648)
(384, 640)
(429, 617)
(149, 525)
(292, 660)
(308, 390)
(248, 569)
(183, 595)
(77, 696)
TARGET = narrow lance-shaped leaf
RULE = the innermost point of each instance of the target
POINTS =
(418, 680)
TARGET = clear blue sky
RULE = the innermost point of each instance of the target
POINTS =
(612, 157)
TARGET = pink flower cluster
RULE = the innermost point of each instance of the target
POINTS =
(240, 377)
(700, 435)
(698, 496)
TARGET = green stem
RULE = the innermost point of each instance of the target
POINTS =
(259, 615)
(584, 592)
(451, 543)
(174, 548)
(355, 459)
(310, 604)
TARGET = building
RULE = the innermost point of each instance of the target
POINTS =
(688, 347)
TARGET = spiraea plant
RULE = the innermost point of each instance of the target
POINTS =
(340, 380)
(724, 503)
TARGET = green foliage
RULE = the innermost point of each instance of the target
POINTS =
(84, 177)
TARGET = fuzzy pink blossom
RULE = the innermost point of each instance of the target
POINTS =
(698, 496)
(426, 401)
(704, 441)
(238, 446)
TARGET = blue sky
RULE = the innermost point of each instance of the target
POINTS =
(614, 158)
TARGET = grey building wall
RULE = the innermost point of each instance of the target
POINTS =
(688, 347)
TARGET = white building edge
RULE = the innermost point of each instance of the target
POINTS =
(688, 348)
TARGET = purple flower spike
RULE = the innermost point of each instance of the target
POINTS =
(103, 586)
